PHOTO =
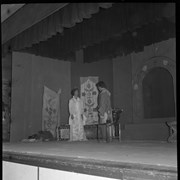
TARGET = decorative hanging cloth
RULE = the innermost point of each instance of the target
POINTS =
(51, 110)
(89, 94)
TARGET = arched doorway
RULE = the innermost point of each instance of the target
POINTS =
(158, 94)
(142, 72)
(154, 98)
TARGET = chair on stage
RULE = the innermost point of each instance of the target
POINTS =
(113, 128)
(173, 131)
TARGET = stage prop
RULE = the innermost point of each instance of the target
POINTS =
(91, 131)
(6, 103)
(113, 129)
(64, 132)
(51, 111)
(89, 94)
(116, 113)
(173, 131)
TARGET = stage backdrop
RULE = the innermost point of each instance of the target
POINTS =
(51, 110)
(89, 94)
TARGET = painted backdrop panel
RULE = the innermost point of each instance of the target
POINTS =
(89, 94)
(51, 110)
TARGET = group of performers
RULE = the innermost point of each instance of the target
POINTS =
(76, 110)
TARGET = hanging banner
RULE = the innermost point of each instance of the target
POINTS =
(51, 110)
(6, 103)
(6, 90)
(89, 94)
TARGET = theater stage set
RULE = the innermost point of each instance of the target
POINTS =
(129, 46)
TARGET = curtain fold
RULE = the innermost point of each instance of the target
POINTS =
(55, 23)
(80, 25)
(126, 44)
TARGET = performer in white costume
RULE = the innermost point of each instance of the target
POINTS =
(77, 117)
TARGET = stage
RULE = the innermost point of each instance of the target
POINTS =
(118, 160)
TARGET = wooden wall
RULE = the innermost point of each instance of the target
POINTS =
(30, 75)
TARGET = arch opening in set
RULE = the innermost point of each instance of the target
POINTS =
(158, 94)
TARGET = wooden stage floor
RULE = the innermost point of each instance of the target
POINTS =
(154, 153)
(153, 157)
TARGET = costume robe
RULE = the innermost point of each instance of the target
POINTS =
(105, 110)
(104, 106)
(77, 122)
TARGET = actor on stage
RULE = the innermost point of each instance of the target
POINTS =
(77, 117)
(104, 106)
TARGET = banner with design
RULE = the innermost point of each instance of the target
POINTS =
(51, 110)
(89, 94)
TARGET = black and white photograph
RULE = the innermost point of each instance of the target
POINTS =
(89, 91)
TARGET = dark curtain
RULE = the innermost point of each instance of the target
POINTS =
(131, 41)
(80, 26)
(66, 17)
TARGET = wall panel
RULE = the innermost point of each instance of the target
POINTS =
(30, 75)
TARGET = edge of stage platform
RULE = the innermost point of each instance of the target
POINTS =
(110, 169)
